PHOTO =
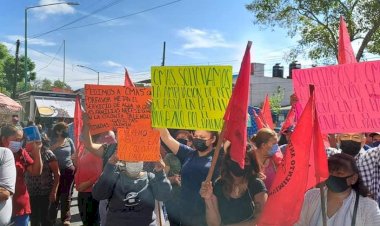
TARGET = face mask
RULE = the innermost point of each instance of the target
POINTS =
(133, 169)
(273, 150)
(182, 141)
(65, 134)
(15, 146)
(337, 184)
(375, 144)
(350, 147)
(200, 144)
(235, 169)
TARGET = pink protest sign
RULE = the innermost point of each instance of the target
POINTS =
(347, 96)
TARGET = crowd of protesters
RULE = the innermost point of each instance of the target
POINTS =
(37, 179)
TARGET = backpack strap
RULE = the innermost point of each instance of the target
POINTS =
(353, 222)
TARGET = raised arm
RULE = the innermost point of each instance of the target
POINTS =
(172, 143)
(212, 209)
(53, 165)
(96, 149)
(35, 169)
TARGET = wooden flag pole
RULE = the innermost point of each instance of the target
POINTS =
(216, 154)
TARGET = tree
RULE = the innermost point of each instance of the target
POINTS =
(60, 84)
(46, 85)
(317, 23)
(7, 70)
(275, 100)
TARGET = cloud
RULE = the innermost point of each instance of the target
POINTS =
(35, 41)
(110, 63)
(197, 39)
(189, 53)
(44, 12)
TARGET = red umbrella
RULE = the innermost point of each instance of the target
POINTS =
(8, 105)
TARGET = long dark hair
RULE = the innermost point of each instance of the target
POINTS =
(346, 163)
(254, 170)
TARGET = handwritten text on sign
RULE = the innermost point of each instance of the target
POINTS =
(138, 144)
(112, 107)
(347, 96)
(190, 97)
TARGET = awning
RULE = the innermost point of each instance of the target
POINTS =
(61, 108)
(8, 105)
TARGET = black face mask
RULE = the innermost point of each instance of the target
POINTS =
(337, 184)
(182, 141)
(350, 147)
(200, 144)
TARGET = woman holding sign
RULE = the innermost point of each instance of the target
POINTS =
(196, 163)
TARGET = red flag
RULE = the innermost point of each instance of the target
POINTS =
(267, 114)
(290, 119)
(259, 120)
(127, 80)
(345, 53)
(236, 112)
(78, 124)
(303, 166)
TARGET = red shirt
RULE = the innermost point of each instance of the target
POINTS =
(89, 168)
(21, 204)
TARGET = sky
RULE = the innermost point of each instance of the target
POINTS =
(196, 32)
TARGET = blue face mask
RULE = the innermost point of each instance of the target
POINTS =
(15, 146)
(273, 150)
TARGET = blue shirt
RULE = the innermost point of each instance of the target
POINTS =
(194, 172)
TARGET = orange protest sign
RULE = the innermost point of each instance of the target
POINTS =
(138, 143)
(111, 107)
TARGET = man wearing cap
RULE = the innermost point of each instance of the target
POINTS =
(368, 161)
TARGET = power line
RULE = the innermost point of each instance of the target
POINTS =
(76, 20)
(59, 49)
(120, 17)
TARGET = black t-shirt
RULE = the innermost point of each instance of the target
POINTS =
(232, 210)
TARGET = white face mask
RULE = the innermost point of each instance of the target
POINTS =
(15, 146)
(133, 169)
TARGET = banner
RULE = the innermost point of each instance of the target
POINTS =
(190, 97)
(111, 107)
(347, 96)
(138, 143)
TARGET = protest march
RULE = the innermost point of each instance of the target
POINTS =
(180, 152)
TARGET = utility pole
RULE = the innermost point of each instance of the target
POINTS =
(163, 55)
(14, 83)
(64, 60)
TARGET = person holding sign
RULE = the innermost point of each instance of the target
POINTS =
(131, 192)
(195, 166)
(267, 153)
(12, 138)
(368, 161)
(346, 197)
(238, 195)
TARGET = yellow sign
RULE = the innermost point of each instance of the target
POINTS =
(190, 97)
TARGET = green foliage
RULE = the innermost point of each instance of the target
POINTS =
(8, 70)
(275, 100)
(317, 24)
(60, 84)
(46, 85)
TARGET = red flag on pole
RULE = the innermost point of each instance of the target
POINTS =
(236, 112)
(266, 112)
(304, 165)
(78, 124)
(345, 53)
(127, 80)
(290, 119)
(259, 120)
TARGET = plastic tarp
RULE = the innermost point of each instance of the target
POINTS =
(8, 105)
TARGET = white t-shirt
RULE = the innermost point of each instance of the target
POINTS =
(7, 181)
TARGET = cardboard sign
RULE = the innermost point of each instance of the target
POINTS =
(137, 143)
(347, 96)
(190, 97)
(111, 107)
